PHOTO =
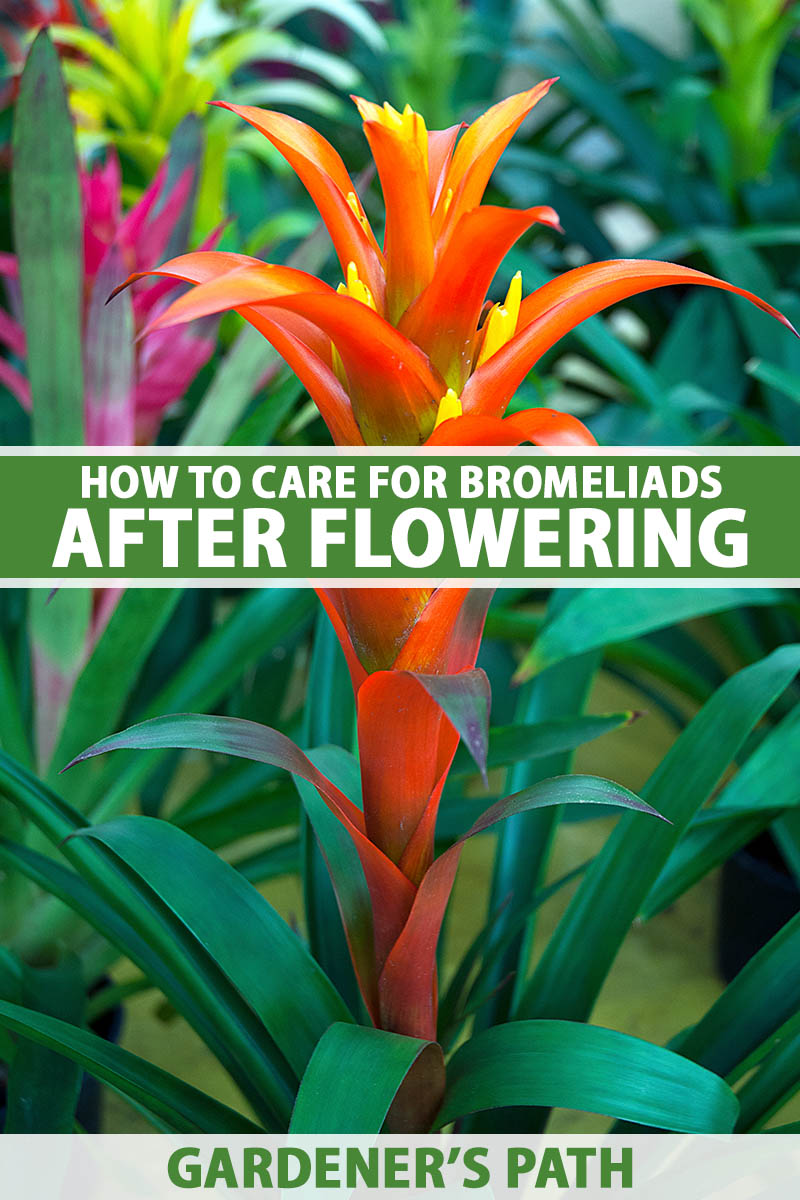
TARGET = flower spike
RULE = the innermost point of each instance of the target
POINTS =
(411, 322)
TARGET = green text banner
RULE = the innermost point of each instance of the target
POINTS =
(279, 517)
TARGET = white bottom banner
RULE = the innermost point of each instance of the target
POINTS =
(135, 1167)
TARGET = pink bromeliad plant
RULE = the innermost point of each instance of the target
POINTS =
(162, 365)
(129, 381)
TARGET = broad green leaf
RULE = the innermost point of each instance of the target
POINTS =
(59, 627)
(523, 843)
(175, 959)
(329, 718)
(48, 237)
(104, 685)
(184, 1108)
(43, 1088)
(353, 1077)
(597, 616)
(762, 787)
(764, 995)
(79, 895)
(584, 945)
(265, 620)
(13, 735)
(772, 1085)
(512, 744)
(236, 926)
(109, 362)
(564, 1064)
(786, 382)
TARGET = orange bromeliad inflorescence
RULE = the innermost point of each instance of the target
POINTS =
(404, 352)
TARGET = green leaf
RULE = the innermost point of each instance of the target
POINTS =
(742, 265)
(524, 842)
(768, 1089)
(512, 744)
(752, 1007)
(761, 788)
(597, 616)
(104, 685)
(353, 1077)
(236, 926)
(329, 718)
(183, 1107)
(580, 953)
(13, 735)
(43, 1087)
(48, 236)
(264, 621)
(564, 1064)
(59, 627)
(109, 361)
(179, 963)
(80, 896)
(786, 382)
(342, 861)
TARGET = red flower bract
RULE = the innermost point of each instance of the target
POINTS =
(411, 655)
(405, 346)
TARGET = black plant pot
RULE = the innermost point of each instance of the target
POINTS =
(88, 1111)
(757, 897)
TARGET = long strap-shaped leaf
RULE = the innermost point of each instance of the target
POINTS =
(752, 1007)
(42, 1088)
(766, 783)
(179, 963)
(522, 743)
(564, 1064)
(596, 617)
(265, 619)
(183, 1107)
(776, 1081)
(355, 1076)
(104, 684)
(48, 239)
(582, 949)
(329, 717)
(523, 844)
(264, 959)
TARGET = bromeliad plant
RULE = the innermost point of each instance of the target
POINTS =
(154, 62)
(204, 936)
(411, 657)
(377, 356)
(77, 367)
(125, 401)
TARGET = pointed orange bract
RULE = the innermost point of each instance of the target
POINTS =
(478, 153)
(404, 350)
